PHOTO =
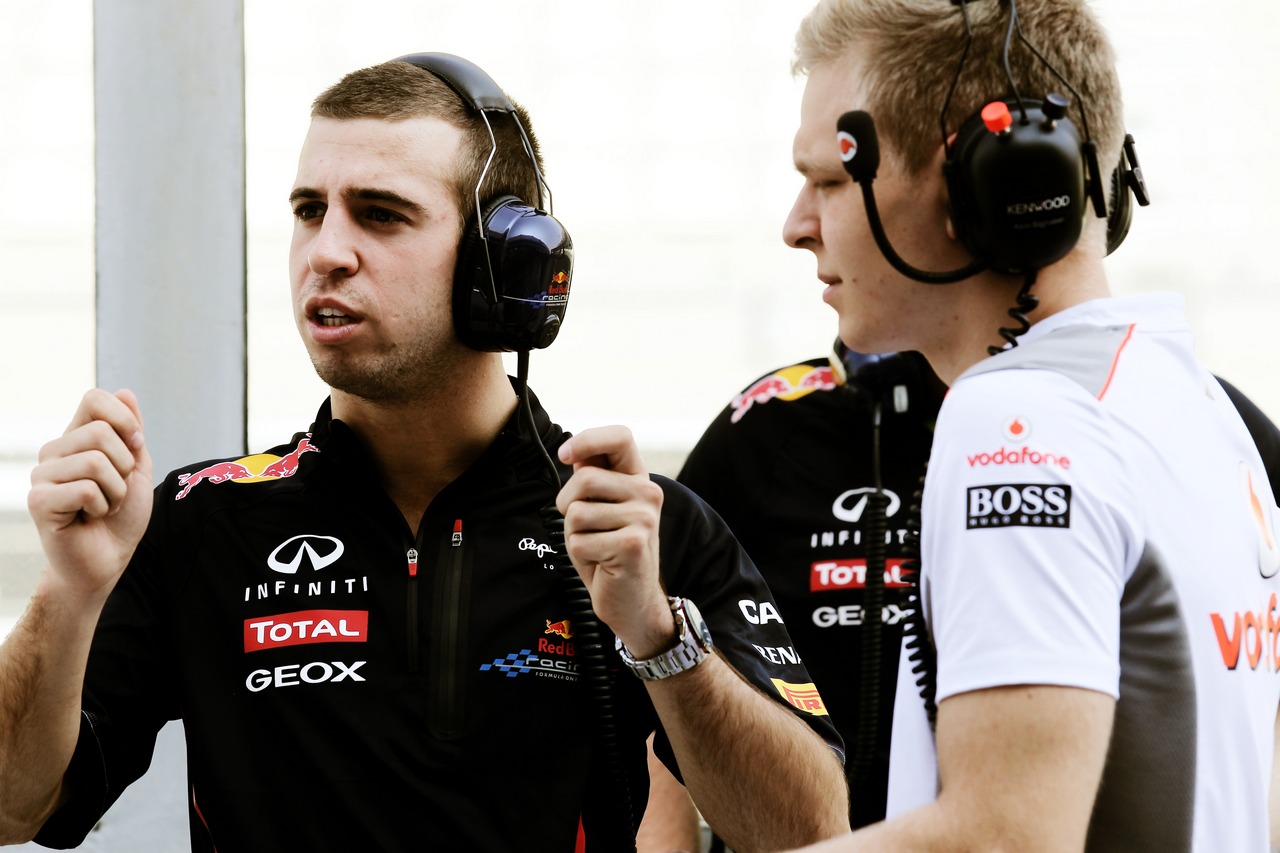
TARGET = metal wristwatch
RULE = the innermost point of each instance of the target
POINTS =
(691, 648)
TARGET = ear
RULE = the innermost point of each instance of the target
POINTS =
(935, 167)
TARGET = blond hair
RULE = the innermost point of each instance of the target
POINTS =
(909, 50)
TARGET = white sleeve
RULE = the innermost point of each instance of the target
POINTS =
(1029, 531)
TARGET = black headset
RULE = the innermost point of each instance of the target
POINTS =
(511, 282)
(1019, 178)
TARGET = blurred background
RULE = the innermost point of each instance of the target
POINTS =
(667, 129)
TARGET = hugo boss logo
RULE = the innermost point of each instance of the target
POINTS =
(1019, 505)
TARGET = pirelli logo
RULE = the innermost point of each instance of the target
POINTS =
(802, 696)
(1019, 505)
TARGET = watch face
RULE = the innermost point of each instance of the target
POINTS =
(697, 624)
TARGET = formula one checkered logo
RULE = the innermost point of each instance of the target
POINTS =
(802, 696)
(517, 663)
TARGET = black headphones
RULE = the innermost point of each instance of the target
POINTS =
(511, 282)
(1019, 179)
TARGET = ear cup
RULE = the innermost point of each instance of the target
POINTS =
(511, 287)
(1017, 196)
(1119, 209)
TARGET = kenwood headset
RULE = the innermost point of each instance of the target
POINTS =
(1018, 176)
(511, 282)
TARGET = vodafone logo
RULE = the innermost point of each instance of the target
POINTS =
(318, 551)
(1017, 429)
(848, 145)
(1249, 640)
(1018, 456)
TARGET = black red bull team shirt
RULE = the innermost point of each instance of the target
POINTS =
(347, 683)
(787, 464)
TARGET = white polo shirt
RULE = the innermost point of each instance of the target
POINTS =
(1097, 516)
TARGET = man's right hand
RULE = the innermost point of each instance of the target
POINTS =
(91, 494)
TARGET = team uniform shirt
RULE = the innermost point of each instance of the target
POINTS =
(347, 683)
(788, 465)
(1096, 515)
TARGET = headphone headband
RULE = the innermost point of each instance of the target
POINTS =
(466, 78)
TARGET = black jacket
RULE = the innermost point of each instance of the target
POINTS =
(349, 684)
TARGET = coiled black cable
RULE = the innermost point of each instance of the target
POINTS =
(592, 663)
(916, 640)
(872, 662)
(1026, 304)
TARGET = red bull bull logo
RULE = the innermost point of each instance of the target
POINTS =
(562, 628)
(247, 469)
(790, 383)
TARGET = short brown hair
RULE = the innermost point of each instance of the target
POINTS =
(395, 90)
(909, 51)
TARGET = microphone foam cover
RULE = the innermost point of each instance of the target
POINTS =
(859, 148)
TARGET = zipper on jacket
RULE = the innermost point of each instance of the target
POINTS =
(449, 628)
(412, 599)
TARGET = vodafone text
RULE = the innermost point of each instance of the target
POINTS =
(1019, 456)
(1251, 638)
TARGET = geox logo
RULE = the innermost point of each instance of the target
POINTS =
(1022, 208)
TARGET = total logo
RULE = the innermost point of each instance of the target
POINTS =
(1249, 640)
(304, 627)
(828, 575)
(789, 383)
(248, 469)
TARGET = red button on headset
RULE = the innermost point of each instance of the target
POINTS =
(996, 116)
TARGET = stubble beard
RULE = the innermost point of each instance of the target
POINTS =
(400, 374)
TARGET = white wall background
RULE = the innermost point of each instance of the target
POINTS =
(667, 128)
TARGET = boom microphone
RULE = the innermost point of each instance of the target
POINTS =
(860, 154)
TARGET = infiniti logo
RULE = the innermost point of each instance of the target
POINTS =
(842, 511)
(321, 551)
(529, 545)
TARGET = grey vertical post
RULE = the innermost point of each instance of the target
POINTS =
(170, 165)
(169, 111)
